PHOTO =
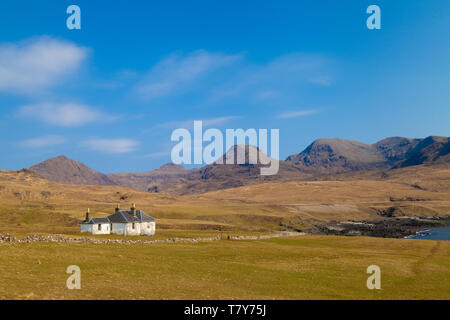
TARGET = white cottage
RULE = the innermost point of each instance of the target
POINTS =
(124, 222)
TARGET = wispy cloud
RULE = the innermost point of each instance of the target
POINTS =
(277, 81)
(157, 154)
(321, 80)
(111, 146)
(177, 73)
(207, 122)
(38, 64)
(296, 114)
(63, 115)
(42, 142)
(218, 121)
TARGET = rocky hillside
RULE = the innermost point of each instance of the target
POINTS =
(65, 170)
(428, 151)
(337, 155)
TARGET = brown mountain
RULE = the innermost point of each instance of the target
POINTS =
(338, 155)
(395, 149)
(428, 151)
(149, 181)
(333, 154)
(217, 176)
(65, 170)
(324, 159)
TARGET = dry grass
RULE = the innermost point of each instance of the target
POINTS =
(308, 267)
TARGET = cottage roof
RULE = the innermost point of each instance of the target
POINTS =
(125, 216)
(143, 217)
(96, 220)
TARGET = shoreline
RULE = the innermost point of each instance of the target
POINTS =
(427, 232)
(397, 227)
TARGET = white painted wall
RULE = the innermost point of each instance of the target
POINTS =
(104, 228)
(133, 232)
(148, 228)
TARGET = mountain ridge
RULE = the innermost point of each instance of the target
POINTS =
(337, 155)
(321, 160)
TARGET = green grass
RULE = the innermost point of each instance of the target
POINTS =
(306, 267)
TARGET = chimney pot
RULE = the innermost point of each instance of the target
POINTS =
(87, 214)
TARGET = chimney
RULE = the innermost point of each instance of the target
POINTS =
(118, 208)
(87, 215)
(133, 209)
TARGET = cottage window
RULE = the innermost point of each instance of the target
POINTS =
(99, 227)
(132, 225)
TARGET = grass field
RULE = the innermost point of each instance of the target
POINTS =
(305, 267)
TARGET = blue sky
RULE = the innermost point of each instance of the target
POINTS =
(111, 94)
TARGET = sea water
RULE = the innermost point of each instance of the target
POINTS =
(434, 234)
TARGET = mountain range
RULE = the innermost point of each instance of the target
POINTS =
(319, 161)
(340, 154)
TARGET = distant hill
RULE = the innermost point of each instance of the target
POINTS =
(324, 159)
(337, 155)
(65, 170)
(149, 181)
(217, 176)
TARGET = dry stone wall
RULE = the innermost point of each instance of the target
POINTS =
(6, 238)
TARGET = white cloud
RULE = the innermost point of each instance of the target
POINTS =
(296, 114)
(38, 64)
(175, 73)
(42, 142)
(63, 115)
(111, 146)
